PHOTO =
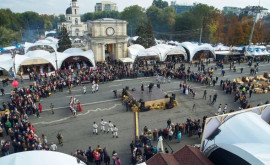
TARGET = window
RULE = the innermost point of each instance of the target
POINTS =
(75, 11)
(76, 21)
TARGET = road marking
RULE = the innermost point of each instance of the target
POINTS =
(75, 90)
(80, 114)
(115, 85)
(73, 95)
(193, 87)
(98, 102)
(132, 79)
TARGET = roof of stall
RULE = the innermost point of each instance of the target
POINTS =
(43, 57)
(193, 48)
(248, 132)
(6, 62)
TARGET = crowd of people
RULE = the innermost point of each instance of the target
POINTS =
(143, 149)
(97, 155)
(25, 102)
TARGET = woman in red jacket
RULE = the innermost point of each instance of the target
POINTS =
(97, 157)
(79, 107)
(40, 107)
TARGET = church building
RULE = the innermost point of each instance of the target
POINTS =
(73, 24)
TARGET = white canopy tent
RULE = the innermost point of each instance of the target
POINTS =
(76, 52)
(193, 48)
(35, 57)
(127, 60)
(133, 50)
(255, 50)
(49, 41)
(178, 50)
(244, 133)
(6, 62)
(40, 158)
(221, 47)
(44, 57)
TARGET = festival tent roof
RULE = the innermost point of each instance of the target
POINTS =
(255, 50)
(176, 51)
(158, 51)
(35, 57)
(76, 52)
(245, 134)
(40, 158)
(6, 62)
(133, 50)
(221, 47)
(126, 60)
(49, 41)
(193, 48)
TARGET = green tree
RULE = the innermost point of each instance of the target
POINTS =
(134, 15)
(64, 42)
(160, 4)
(145, 35)
(8, 36)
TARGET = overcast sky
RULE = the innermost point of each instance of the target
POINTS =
(59, 6)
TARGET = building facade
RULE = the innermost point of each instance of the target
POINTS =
(230, 9)
(105, 6)
(181, 8)
(73, 24)
(108, 38)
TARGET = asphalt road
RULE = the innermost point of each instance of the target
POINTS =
(77, 132)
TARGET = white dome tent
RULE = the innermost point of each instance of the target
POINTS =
(243, 135)
(178, 50)
(133, 50)
(39, 57)
(193, 48)
(255, 50)
(34, 57)
(6, 62)
(73, 52)
(40, 158)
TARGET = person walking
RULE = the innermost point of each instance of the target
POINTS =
(194, 108)
(223, 72)
(37, 113)
(219, 109)
(79, 106)
(40, 107)
(115, 131)
(204, 94)
(106, 156)
(95, 128)
(52, 108)
(250, 92)
(110, 128)
(60, 138)
(102, 125)
(3, 91)
(225, 109)
(84, 89)
(97, 157)
(179, 136)
(214, 98)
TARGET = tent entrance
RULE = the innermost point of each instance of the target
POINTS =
(76, 62)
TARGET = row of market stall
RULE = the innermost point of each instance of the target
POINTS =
(44, 55)
(185, 51)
